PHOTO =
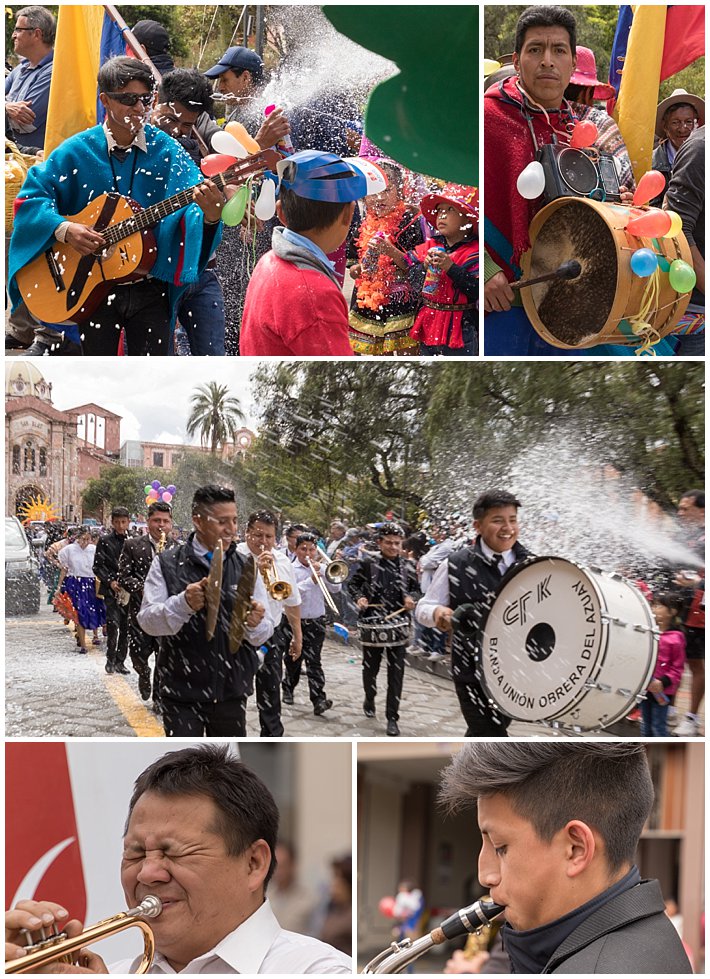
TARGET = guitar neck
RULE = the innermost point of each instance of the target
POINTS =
(150, 216)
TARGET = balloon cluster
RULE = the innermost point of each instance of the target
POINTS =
(652, 222)
(231, 144)
(156, 492)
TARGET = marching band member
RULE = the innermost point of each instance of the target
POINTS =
(133, 567)
(200, 836)
(285, 613)
(108, 552)
(387, 581)
(306, 566)
(470, 576)
(203, 684)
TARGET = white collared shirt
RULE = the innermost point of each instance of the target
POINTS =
(258, 947)
(312, 601)
(503, 559)
(162, 614)
(284, 572)
(438, 591)
(78, 561)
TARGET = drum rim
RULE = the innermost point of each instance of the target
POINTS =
(601, 653)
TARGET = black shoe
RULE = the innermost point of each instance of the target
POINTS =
(286, 697)
(368, 708)
(322, 706)
(110, 668)
(392, 729)
(121, 669)
(38, 349)
(144, 685)
(12, 343)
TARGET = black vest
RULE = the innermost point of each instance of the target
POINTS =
(473, 579)
(193, 669)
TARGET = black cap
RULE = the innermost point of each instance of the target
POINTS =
(153, 36)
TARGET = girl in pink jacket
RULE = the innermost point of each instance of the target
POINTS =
(669, 666)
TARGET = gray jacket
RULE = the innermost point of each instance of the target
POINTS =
(630, 935)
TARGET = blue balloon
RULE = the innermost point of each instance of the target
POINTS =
(644, 262)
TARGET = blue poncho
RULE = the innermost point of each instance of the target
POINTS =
(79, 170)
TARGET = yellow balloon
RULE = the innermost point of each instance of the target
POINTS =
(489, 66)
(239, 132)
(676, 225)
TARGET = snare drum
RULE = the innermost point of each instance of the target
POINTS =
(567, 646)
(594, 307)
(380, 633)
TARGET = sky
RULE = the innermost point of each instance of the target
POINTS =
(151, 395)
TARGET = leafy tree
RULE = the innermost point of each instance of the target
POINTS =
(215, 415)
(117, 486)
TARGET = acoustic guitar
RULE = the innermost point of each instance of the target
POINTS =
(60, 284)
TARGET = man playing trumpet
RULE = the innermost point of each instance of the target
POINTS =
(313, 587)
(284, 606)
(206, 670)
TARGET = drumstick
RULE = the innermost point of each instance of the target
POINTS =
(568, 270)
(392, 614)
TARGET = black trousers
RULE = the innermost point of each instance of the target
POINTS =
(483, 720)
(116, 631)
(228, 718)
(371, 660)
(142, 310)
(268, 682)
(313, 635)
(141, 647)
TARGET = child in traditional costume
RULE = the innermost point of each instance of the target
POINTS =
(384, 304)
(444, 270)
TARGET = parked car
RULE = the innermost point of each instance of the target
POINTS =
(22, 592)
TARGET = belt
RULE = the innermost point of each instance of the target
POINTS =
(447, 307)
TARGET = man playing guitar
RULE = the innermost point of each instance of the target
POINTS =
(126, 157)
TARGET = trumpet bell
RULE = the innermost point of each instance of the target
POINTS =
(279, 590)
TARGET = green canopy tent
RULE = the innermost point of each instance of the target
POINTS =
(425, 117)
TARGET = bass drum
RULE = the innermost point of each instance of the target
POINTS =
(379, 633)
(567, 646)
(594, 308)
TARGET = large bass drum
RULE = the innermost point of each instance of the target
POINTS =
(567, 646)
(594, 308)
(381, 632)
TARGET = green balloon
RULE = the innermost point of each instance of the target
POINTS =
(233, 211)
(681, 276)
(147, 489)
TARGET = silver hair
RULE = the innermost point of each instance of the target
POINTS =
(41, 19)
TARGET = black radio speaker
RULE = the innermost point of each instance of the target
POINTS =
(571, 173)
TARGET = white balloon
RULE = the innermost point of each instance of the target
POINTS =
(223, 142)
(265, 207)
(531, 182)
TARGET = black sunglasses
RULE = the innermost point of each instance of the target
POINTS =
(131, 98)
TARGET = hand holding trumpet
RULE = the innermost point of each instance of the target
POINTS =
(38, 917)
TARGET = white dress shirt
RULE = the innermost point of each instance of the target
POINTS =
(258, 947)
(162, 614)
(78, 561)
(312, 601)
(438, 591)
(284, 572)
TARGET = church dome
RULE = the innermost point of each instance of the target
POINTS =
(24, 380)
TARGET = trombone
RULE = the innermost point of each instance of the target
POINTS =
(59, 946)
(277, 589)
(321, 584)
(336, 572)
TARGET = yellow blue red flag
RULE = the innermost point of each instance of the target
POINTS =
(86, 37)
(652, 42)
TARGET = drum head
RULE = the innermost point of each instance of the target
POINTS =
(577, 310)
(543, 640)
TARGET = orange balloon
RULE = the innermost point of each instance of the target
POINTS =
(240, 133)
(654, 223)
(650, 185)
(583, 134)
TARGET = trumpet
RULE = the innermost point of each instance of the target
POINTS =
(321, 584)
(468, 920)
(277, 589)
(59, 946)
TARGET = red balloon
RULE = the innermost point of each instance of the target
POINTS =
(653, 223)
(386, 907)
(216, 163)
(583, 134)
(650, 185)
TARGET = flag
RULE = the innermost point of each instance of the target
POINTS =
(86, 37)
(652, 42)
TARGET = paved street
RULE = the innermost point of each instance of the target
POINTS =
(52, 691)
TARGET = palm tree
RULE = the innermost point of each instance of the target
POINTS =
(214, 415)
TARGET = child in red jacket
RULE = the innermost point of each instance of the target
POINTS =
(669, 666)
(294, 304)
